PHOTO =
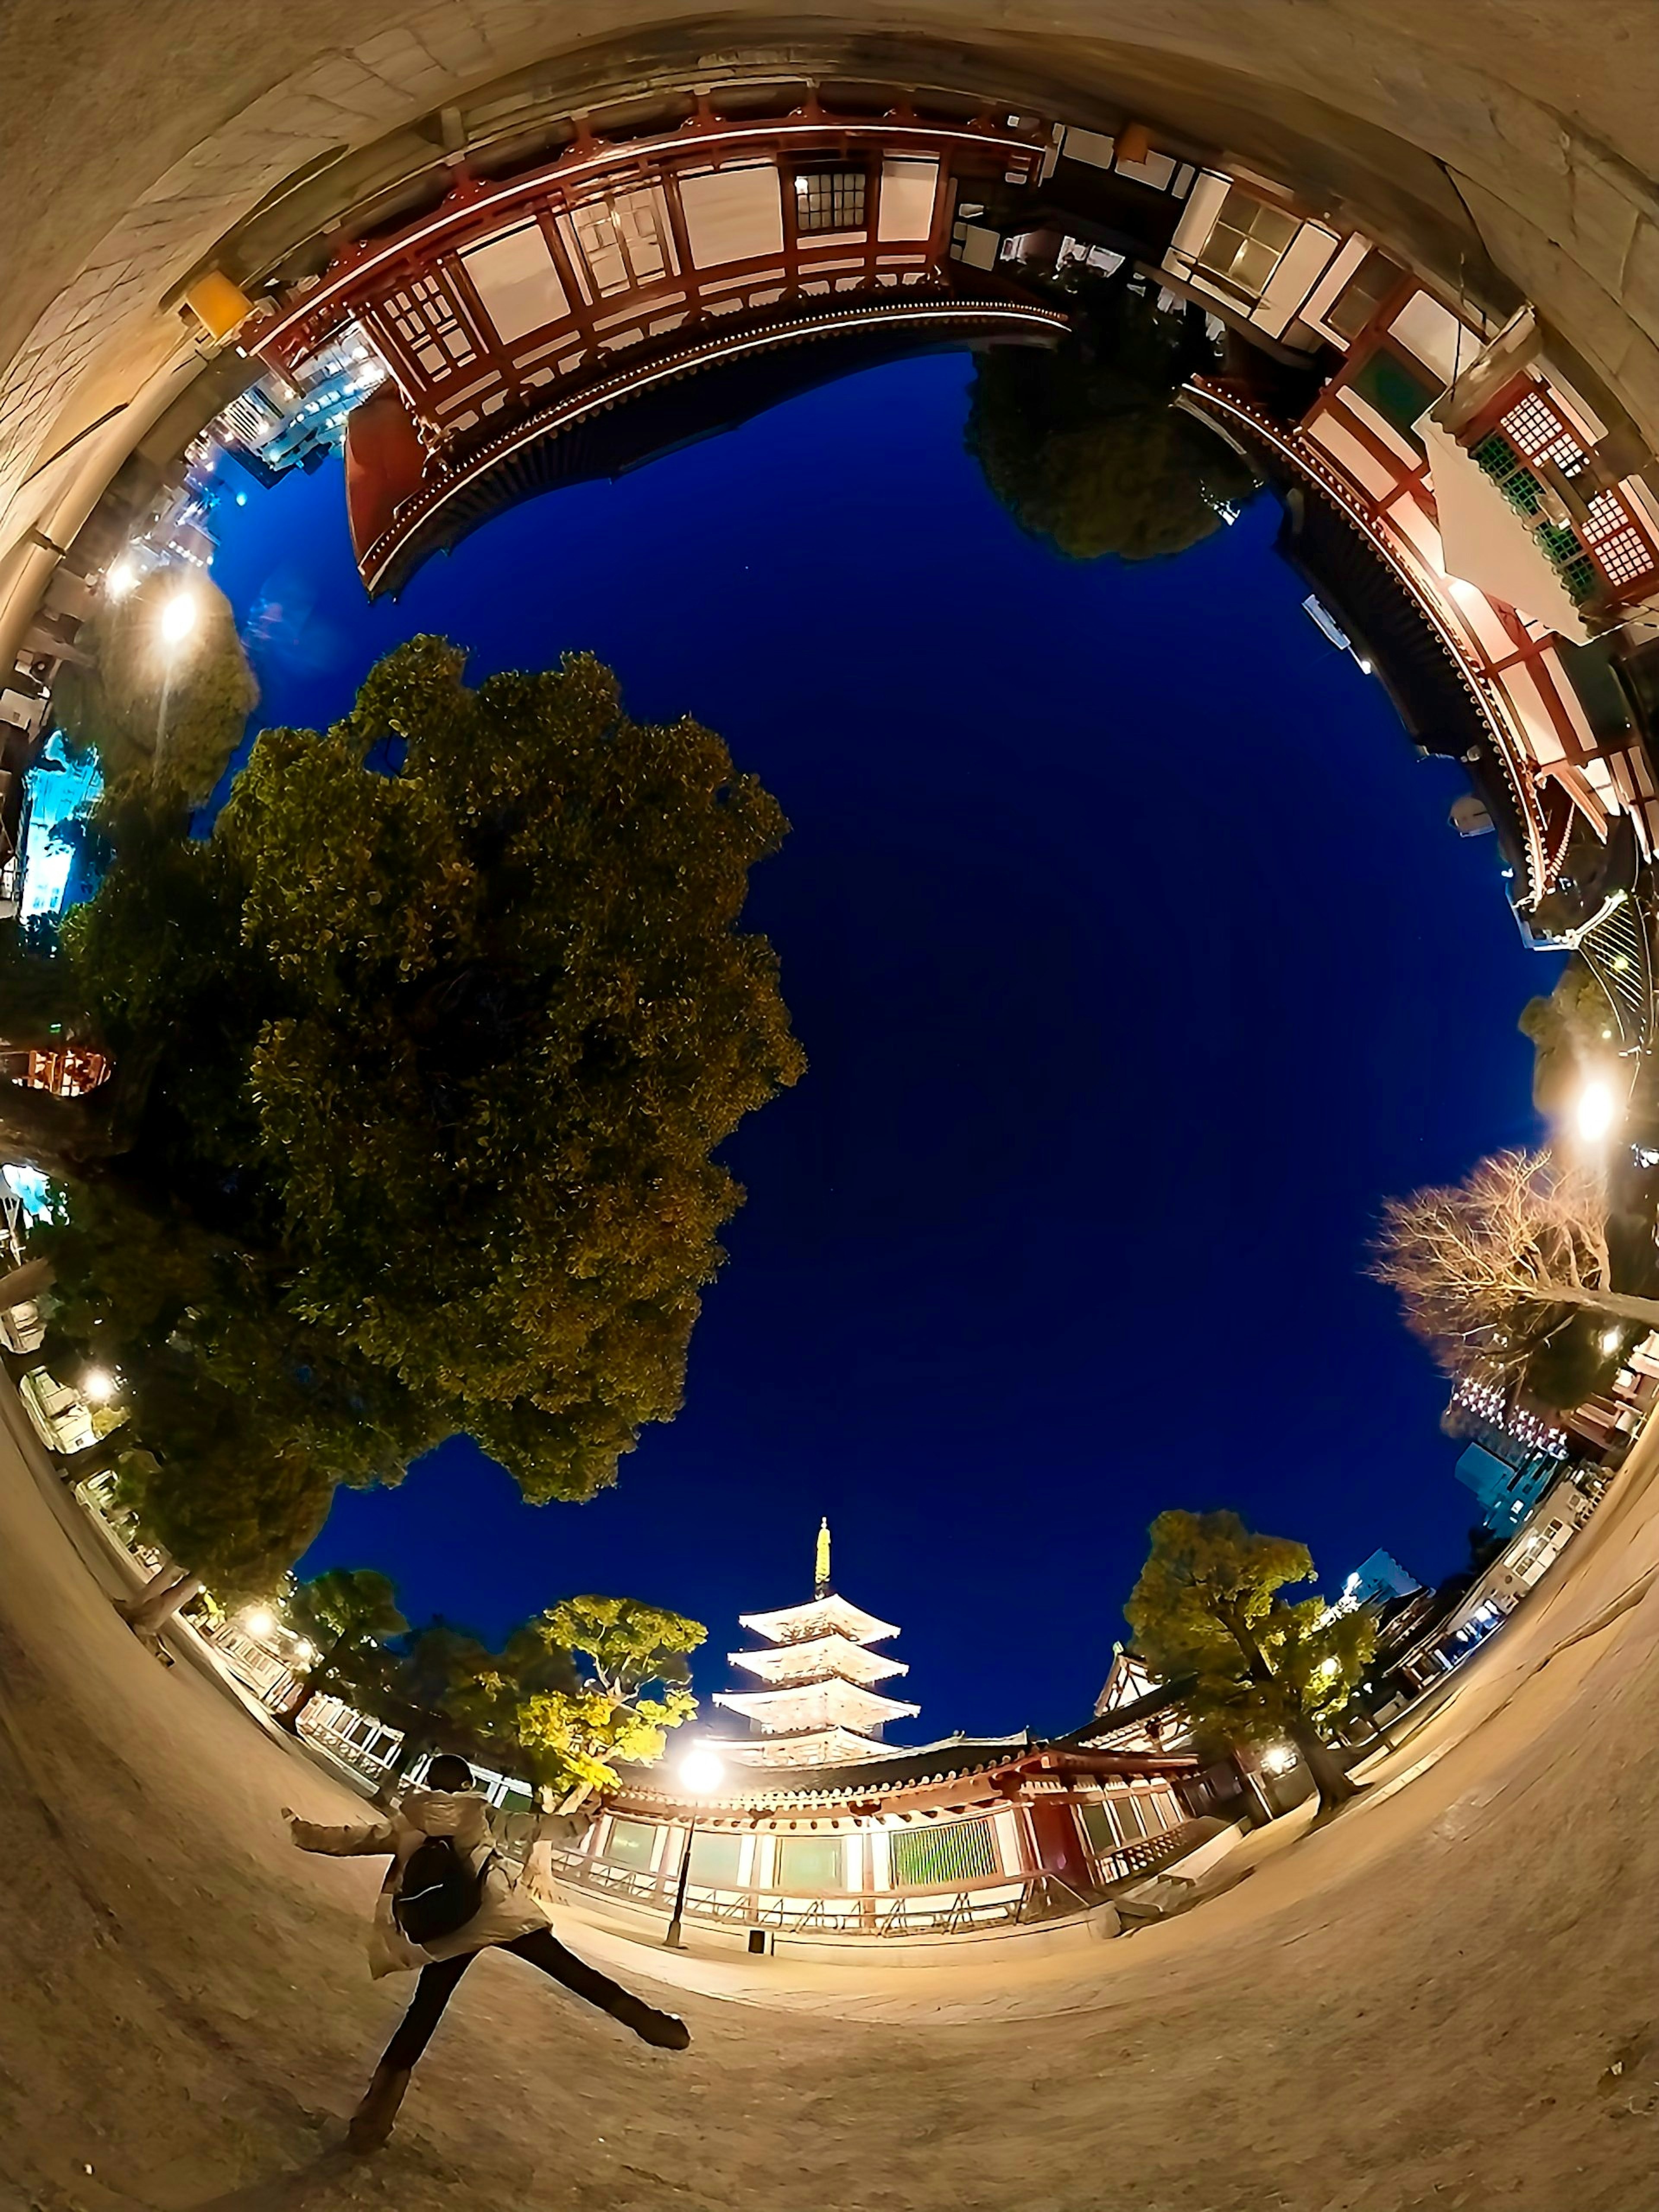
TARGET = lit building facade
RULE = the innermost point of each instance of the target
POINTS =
(515, 318)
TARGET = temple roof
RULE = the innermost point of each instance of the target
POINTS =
(815, 1658)
(831, 1702)
(819, 1616)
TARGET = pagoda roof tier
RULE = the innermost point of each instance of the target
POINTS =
(816, 1659)
(831, 1703)
(808, 1753)
(819, 1616)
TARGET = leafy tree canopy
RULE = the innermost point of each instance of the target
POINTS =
(561, 1703)
(1080, 441)
(1208, 1608)
(421, 1059)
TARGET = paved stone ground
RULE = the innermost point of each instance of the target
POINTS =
(1514, 136)
(1449, 1998)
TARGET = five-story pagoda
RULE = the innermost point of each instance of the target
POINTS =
(819, 1707)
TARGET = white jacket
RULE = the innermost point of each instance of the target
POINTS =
(490, 1841)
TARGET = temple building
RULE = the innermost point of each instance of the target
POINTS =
(819, 1707)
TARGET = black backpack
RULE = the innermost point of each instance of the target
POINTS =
(437, 1892)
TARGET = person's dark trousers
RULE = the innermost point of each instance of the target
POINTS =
(437, 1984)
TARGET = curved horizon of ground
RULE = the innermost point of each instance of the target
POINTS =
(1444, 1998)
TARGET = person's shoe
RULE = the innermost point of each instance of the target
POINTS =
(372, 2121)
(667, 2030)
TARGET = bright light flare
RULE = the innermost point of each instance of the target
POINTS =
(121, 578)
(98, 1386)
(304, 1652)
(701, 1771)
(1329, 1667)
(178, 619)
(260, 1622)
(1612, 1339)
(1595, 1112)
(1278, 1759)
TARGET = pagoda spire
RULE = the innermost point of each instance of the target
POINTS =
(819, 1705)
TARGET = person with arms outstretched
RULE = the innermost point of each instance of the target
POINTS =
(456, 1886)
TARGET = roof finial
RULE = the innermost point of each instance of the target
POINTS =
(821, 1575)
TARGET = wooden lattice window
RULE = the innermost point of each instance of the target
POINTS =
(425, 317)
(956, 1850)
(828, 200)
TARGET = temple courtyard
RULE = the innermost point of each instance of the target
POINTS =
(1456, 1979)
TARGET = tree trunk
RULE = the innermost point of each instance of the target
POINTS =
(289, 1717)
(149, 1612)
(1329, 1776)
(29, 1281)
(1619, 1304)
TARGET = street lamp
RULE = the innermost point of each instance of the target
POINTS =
(1594, 1112)
(259, 1623)
(178, 619)
(700, 1776)
(97, 1386)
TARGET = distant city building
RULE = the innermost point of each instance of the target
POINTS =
(1535, 1545)
(1506, 1489)
(286, 421)
(1376, 1581)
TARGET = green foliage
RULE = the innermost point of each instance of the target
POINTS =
(1081, 443)
(164, 723)
(562, 1702)
(1570, 1029)
(347, 1614)
(421, 1060)
(1208, 1607)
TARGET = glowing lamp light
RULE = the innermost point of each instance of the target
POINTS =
(1278, 1759)
(121, 578)
(1329, 1667)
(98, 1386)
(178, 619)
(260, 1622)
(1612, 1339)
(1595, 1112)
(304, 1652)
(701, 1771)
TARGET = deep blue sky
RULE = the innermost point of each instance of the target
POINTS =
(1135, 964)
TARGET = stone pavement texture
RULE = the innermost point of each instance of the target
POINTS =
(1515, 139)
(1447, 1998)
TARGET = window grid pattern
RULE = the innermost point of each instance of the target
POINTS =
(828, 200)
(1622, 551)
(424, 317)
(1247, 244)
(1537, 432)
(956, 1851)
(630, 1843)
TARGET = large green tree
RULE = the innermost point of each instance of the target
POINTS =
(420, 1063)
(1081, 441)
(1208, 1610)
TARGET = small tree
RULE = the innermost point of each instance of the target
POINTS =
(1082, 444)
(1206, 1610)
(568, 1692)
(1488, 1270)
(348, 1615)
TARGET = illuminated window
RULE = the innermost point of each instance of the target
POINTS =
(631, 1843)
(829, 199)
(808, 1863)
(716, 1858)
(1245, 246)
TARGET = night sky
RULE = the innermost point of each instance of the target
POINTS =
(1135, 964)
